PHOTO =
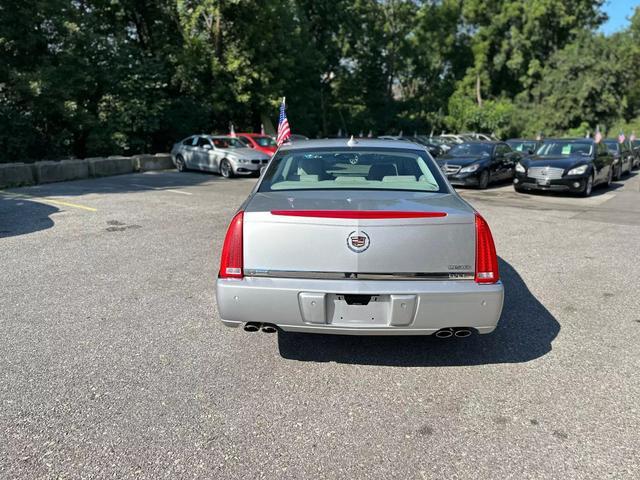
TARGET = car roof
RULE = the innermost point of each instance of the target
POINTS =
(522, 140)
(360, 143)
(579, 139)
(253, 134)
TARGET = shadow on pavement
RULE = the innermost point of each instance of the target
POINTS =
(20, 216)
(132, 182)
(525, 332)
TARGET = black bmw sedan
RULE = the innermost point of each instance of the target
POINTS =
(476, 164)
(565, 165)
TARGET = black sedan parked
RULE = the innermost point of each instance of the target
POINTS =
(566, 165)
(478, 163)
(623, 157)
(635, 146)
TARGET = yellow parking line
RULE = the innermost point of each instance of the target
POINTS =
(49, 200)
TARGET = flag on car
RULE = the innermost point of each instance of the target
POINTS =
(232, 131)
(621, 137)
(284, 132)
(633, 137)
(262, 129)
(597, 136)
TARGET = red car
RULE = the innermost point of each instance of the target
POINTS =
(262, 143)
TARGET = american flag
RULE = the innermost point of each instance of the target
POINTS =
(621, 137)
(232, 131)
(633, 137)
(284, 132)
(597, 136)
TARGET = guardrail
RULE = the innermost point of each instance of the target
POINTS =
(21, 174)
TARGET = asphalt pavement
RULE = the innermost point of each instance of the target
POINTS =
(113, 363)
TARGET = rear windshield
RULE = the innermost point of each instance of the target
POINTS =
(554, 148)
(351, 169)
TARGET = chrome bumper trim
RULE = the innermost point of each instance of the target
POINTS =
(360, 276)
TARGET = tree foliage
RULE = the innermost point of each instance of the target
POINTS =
(89, 77)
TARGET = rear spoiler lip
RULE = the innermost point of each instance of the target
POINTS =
(358, 214)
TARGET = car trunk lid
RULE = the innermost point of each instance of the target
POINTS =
(359, 234)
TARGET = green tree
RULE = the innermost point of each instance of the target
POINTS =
(583, 82)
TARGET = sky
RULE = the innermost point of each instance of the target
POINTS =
(618, 11)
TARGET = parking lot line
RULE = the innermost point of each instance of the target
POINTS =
(48, 200)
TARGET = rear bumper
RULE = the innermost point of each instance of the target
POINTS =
(406, 308)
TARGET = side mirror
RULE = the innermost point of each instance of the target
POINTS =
(206, 146)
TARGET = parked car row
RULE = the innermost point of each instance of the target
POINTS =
(474, 160)
(562, 165)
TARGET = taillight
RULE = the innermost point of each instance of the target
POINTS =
(486, 258)
(231, 260)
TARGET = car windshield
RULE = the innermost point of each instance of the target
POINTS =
(523, 146)
(471, 150)
(351, 169)
(265, 141)
(228, 142)
(555, 148)
(612, 146)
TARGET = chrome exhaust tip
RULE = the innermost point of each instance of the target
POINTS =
(268, 328)
(252, 326)
(444, 333)
(462, 332)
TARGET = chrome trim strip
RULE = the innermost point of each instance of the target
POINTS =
(360, 276)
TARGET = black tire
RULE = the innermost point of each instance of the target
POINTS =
(180, 165)
(610, 177)
(518, 189)
(483, 181)
(588, 187)
(225, 169)
(618, 174)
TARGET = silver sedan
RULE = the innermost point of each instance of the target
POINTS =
(228, 156)
(361, 238)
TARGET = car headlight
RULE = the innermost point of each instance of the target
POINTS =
(520, 168)
(241, 160)
(470, 168)
(578, 170)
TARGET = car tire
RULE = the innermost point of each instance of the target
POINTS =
(618, 173)
(519, 189)
(483, 181)
(225, 169)
(610, 177)
(181, 166)
(588, 187)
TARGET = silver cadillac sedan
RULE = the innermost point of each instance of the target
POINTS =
(228, 156)
(358, 237)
